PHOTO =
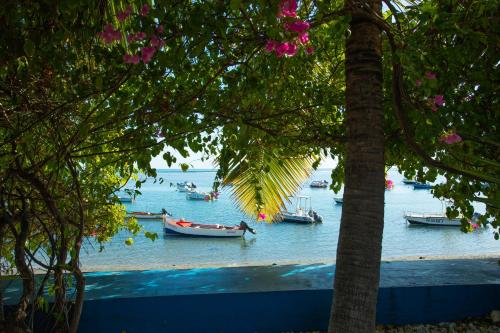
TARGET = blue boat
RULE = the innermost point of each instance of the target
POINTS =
(422, 186)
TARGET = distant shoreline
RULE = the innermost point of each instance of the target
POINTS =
(114, 268)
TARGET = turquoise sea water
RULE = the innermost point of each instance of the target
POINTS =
(275, 243)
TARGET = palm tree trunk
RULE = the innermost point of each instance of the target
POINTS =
(360, 241)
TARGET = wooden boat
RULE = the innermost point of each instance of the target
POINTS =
(319, 184)
(432, 219)
(148, 215)
(187, 228)
(339, 201)
(421, 186)
(300, 215)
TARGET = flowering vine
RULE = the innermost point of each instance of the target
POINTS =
(450, 138)
(148, 45)
(287, 11)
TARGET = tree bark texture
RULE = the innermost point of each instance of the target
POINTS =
(360, 240)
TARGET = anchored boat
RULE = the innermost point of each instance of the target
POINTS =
(409, 181)
(319, 184)
(195, 195)
(187, 228)
(185, 187)
(148, 215)
(339, 201)
(432, 219)
(301, 215)
(421, 186)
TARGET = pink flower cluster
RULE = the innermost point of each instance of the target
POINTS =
(389, 184)
(109, 35)
(123, 15)
(288, 8)
(262, 216)
(450, 138)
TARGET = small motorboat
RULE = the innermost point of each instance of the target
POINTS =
(187, 228)
(319, 184)
(409, 181)
(339, 201)
(421, 186)
(148, 215)
(126, 199)
(185, 187)
(432, 219)
(196, 195)
(300, 215)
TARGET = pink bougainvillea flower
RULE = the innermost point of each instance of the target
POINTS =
(287, 8)
(474, 225)
(297, 26)
(281, 49)
(157, 42)
(303, 37)
(310, 50)
(418, 82)
(131, 59)
(135, 59)
(262, 216)
(159, 29)
(430, 75)
(439, 100)
(131, 38)
(109, 35)
(450, 138)
(122, 16)
(271, 45)
(144, 10)
(292, 49)
(140, 35)
(147, 54)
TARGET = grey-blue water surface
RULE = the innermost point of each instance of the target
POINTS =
(281, 242)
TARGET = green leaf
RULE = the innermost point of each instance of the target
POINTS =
(29, 48)
(129, 241)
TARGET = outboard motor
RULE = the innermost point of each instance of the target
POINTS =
(317, 218)
(245, 227)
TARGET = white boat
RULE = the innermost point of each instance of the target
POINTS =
(185, 187)
(301, 215)
(187, 228)
(126, 199)
(339, 201)
(319, 184)
(409, 181)
(195, 195)
(431, 219)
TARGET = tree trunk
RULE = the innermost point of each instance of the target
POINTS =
(360, 241)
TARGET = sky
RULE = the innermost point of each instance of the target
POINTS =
(195, 161)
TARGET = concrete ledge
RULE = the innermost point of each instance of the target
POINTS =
(278, 298)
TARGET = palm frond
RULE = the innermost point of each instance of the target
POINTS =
(262, 180)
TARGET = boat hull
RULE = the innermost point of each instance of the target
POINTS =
(174, 229)
(296, 219)
(422, 186)
(339, 201)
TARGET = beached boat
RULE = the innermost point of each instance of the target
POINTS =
(431, 219)
(319, 184)
(421, 186)
(339, 201)
(301, 215)
(409, 181)
(148, 215)
(195, 195)
(187, 228)
(185, 187)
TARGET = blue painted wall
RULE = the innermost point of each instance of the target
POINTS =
(279, 311)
